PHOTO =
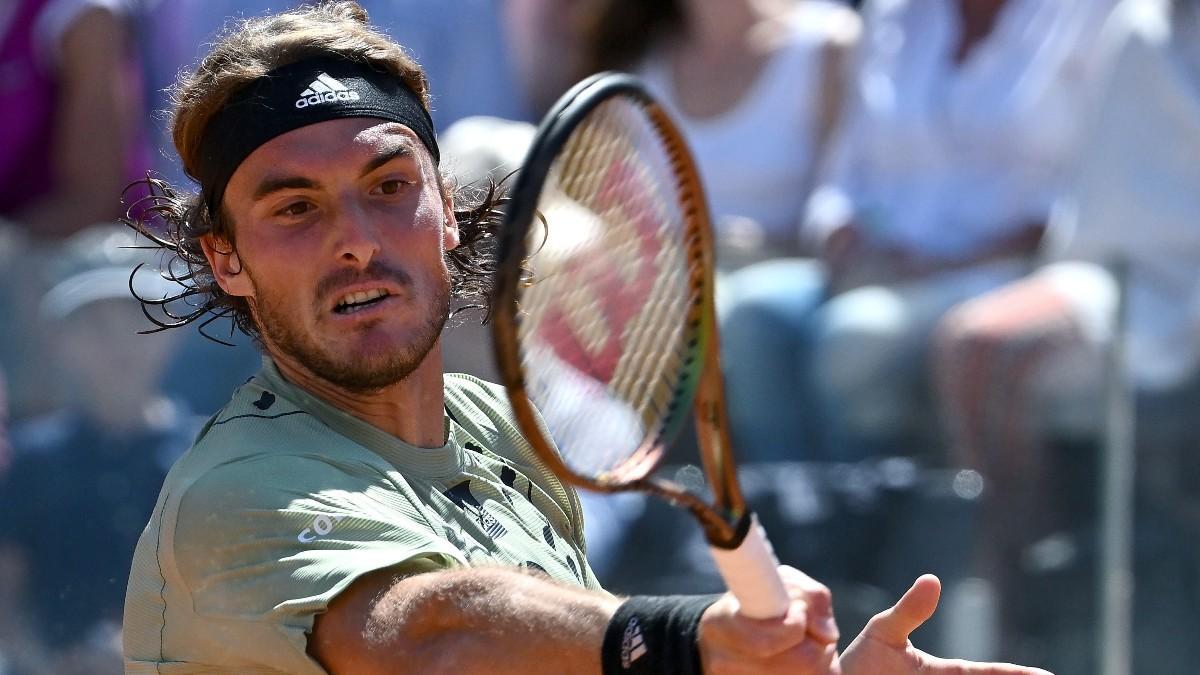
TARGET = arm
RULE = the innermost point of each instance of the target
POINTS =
(94, 120)
(452, 621)
(445, 622)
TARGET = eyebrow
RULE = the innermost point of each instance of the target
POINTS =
(402, 150)
(274, 184)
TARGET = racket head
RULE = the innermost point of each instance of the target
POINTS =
(602, 308)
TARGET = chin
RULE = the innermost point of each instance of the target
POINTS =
(372, 362)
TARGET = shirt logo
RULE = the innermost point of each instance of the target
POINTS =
(319, 527)
(325, 89)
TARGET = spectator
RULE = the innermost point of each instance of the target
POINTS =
(71, 98)
(937, 188)
(69, 142)
(755, 87)
(99, 458)
(1026, 364)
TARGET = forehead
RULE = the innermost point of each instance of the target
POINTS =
(326, 146)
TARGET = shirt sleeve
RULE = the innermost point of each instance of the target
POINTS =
(262, 545)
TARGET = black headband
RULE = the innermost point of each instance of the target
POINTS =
(297, 95)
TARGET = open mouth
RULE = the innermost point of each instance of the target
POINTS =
(360, 300)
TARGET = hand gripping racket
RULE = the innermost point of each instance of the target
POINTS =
(603, 317)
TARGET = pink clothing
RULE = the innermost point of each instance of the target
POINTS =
(28, 98)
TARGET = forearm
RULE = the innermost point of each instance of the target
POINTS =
(454, 621)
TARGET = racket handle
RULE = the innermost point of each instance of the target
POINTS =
(751, 572)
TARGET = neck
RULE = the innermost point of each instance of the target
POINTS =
(411, 409)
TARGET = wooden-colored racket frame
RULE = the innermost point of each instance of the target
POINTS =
(726, 521)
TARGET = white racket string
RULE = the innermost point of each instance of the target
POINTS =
(604, 327)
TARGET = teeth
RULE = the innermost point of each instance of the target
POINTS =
(359, 297)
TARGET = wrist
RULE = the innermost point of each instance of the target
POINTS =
(655, 634)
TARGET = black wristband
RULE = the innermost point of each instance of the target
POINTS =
(655, 635)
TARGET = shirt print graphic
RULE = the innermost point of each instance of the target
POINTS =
(461, 496)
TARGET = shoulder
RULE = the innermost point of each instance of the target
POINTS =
(468, 389)
(483, 410)
(262, 451)
(259, 420)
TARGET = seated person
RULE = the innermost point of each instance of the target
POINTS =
(1027, 364)
(80, 486)
(937, 188)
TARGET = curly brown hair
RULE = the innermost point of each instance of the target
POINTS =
(176, 220)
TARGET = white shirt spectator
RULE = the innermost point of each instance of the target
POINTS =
(1137, 195)
(756, 159)
(943, 159)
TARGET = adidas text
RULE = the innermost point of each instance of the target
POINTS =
(326, 97)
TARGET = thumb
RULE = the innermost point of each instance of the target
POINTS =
(893, 626)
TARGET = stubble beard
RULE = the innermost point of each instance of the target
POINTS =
(355, 373)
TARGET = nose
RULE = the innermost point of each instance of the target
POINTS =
(358, 237)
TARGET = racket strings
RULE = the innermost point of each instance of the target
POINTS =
(608, 324)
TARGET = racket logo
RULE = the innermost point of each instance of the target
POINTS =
(616, 286)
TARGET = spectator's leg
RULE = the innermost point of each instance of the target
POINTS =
(1011, 369)
(869, 350)
(765, 310)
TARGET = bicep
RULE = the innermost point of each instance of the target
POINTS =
(348, 638)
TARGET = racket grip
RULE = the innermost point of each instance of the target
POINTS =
(751, 572)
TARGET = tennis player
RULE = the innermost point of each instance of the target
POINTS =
(353, 509)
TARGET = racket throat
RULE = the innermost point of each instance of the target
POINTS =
(733, 531)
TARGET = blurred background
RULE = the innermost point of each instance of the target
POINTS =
(959, 290)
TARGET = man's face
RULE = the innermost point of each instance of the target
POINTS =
(340, 232)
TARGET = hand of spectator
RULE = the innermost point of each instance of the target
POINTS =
(803, 641)
(852, 260)
(840, 249)
(883, 647)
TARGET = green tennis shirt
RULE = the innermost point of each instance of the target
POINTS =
(283, 501)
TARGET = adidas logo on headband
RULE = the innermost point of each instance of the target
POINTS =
(325, 89)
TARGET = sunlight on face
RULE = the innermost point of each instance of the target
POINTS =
(341, 232)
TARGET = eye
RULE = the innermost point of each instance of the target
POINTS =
(391, 187)
(295, 209)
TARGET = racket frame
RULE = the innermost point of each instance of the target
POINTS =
(725, 522)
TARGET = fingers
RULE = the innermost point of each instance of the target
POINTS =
(806, 658)
(935, 666)
(724, 629)
(803, 640)
(893, 626)
(819, 619)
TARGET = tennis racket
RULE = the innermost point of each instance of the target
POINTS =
(603, 317)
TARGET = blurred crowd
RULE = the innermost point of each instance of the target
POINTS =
(958, 247)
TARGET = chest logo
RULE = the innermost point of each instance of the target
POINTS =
(463, 498)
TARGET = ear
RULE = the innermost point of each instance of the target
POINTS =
(226, 266)
(450, 235)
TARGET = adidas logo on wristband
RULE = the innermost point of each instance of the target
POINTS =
(632, 645)
(325, 89)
